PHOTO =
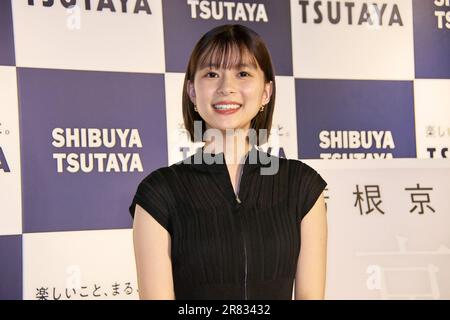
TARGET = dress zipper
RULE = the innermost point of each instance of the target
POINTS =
(245, 251)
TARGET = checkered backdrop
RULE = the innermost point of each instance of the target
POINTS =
(90, 103)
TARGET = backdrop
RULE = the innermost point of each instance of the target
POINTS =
(90, 103)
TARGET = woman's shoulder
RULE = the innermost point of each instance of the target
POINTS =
(298, 167)
(282, 159)
(161, 174)
(167, 173)
(307, 176)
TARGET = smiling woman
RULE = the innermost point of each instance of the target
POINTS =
(227, 230)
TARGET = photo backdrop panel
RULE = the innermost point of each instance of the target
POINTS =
(11, 267)
(88, 138)
(92, 35)
(387, 229)
(89, 265)
(432, 109)
(353, 39)
(179, 144)
(350, 119)
(7, 56)
(271, 19)
(10, 184)
(283, 138)
(432, 38)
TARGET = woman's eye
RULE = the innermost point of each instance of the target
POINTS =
(214, 74)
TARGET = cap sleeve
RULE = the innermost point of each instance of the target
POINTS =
(311, 186)
(154, 195)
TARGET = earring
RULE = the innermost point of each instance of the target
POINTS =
(262, 108)
(195, 108)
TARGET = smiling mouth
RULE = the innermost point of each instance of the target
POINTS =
(225, 107)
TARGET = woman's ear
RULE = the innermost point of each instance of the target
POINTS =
(191, 92)
(268, 89)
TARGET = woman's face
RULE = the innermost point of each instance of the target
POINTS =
(229, 98)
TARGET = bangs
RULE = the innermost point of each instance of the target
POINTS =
(227, 55)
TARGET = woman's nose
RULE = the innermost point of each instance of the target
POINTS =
(226, 84)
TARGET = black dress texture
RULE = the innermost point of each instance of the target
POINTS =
(228, 246)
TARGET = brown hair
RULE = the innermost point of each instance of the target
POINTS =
(225, 46)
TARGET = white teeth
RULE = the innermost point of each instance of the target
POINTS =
(226, 106)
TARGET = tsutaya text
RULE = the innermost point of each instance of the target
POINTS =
(95, 139)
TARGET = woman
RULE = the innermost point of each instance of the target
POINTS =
(227, 230)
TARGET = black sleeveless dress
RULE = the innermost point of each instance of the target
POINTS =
(228, 246)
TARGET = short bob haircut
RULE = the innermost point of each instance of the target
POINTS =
(225, 47)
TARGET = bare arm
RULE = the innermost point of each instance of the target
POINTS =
(152, 250)
(311, 266)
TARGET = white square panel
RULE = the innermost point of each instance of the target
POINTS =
(89, 39)
(10, 174)
(350, 47)
(179, 146)
(432, 117)
(283, 137)
(79, 265)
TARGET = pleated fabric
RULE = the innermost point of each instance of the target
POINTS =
(228, 246)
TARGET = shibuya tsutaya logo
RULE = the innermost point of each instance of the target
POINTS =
(229, 145)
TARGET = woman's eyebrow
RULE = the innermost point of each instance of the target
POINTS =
(240, 65)
(247, 65)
